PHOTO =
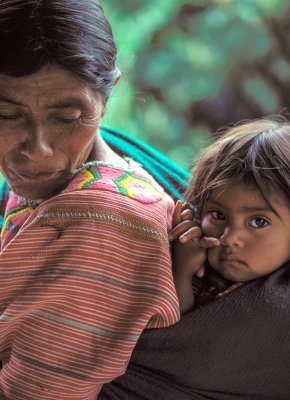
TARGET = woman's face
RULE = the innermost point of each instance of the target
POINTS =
(48, 126)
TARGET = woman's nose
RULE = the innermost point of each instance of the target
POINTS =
(232, 237)
(36, 145)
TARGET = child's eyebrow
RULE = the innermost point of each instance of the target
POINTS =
(263, 208)
(255, 209)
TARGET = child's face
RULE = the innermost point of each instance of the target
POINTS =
(254, 240)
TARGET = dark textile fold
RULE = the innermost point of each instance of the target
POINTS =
(237, 347)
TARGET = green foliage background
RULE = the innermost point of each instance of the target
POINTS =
(191, 67)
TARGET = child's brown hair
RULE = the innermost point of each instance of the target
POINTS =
(256, 153)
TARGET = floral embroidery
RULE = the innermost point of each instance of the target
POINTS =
(132, 182)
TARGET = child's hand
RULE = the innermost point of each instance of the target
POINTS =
(189, 253)
(189, 246)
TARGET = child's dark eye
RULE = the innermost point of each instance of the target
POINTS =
(217, 215)
(258, 222)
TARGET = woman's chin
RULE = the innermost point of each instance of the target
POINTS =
(37, 191)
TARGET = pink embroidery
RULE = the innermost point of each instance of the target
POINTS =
(137, 185)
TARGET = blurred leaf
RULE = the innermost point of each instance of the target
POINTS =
(258, 90)
(281, 68)
(191, 66)
(272, 7)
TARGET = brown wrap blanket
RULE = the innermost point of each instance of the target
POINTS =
(237, 347)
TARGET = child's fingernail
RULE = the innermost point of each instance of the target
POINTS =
(182, 239)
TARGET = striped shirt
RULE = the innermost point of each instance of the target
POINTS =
(82, 274)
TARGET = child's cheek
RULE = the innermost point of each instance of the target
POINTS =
(209, 229)
(213, 257)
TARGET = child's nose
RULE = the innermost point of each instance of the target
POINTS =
(232, 237)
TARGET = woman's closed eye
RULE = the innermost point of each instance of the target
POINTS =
(67, 117)
(9, 117)
(68, 120)
(258, 222)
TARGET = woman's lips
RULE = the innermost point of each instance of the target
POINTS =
(34, 177)
(39, 175)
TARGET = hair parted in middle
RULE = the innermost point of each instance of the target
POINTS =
(74, 35)
(256, 153)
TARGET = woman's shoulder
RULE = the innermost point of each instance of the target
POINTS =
(132, 182)
(99, 192)
(123, 199)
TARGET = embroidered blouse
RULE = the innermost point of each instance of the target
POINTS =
(82, 275)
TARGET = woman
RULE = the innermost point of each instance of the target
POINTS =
(84, 262)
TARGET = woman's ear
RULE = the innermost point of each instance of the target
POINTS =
(104, 109)
(119, 75)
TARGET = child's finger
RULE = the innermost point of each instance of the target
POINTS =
(193, 233)
(186, 214)
(207, 242)
(200, 272)
(185, 205)
(177, 212)
(181, 229)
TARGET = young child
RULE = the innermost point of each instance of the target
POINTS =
(241, 193)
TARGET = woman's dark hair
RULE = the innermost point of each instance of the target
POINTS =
(256, 153)
(71, 34)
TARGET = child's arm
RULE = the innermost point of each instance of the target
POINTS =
(189, 253)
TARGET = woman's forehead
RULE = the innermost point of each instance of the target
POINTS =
(46, 87)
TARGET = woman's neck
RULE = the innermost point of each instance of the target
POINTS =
(102, 152)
